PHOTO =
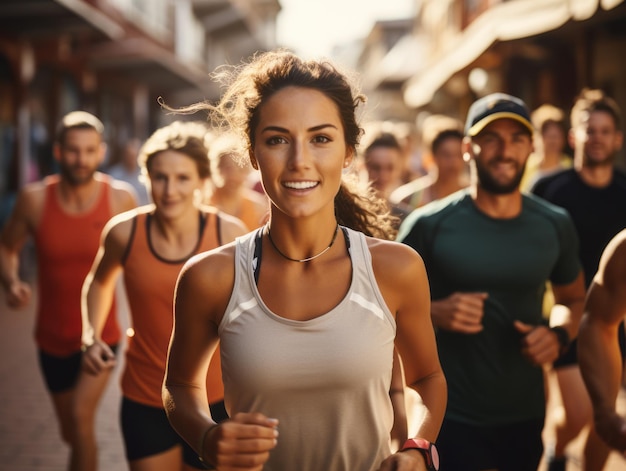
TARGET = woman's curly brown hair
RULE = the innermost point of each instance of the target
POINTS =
(249, 85)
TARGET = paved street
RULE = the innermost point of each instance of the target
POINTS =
(29, 439)
(615, 462)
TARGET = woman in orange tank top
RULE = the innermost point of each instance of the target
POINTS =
(150, 245)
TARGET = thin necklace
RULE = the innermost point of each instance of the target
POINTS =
(269, 236)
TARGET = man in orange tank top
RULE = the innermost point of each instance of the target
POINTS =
(65, 215)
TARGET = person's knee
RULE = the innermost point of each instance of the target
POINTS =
(67, 428)
(63, 410)
(67, 434)
(86, 399)
(83, 415)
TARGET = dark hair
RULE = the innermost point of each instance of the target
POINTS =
(442, 136)
(188, 138)
(77, 120)
(251, 84)
(590, 100)
(383, 139)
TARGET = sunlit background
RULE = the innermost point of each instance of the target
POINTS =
(315, 28)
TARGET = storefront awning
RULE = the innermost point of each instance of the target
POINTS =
(503, 22)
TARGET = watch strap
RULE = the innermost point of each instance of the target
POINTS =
(427, 449)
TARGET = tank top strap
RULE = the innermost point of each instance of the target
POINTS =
(133, 233)
(365, 289)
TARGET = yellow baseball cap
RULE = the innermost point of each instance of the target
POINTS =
(496, 106)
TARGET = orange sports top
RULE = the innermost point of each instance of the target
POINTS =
(247, 213)
(150, 281)
(66, 247)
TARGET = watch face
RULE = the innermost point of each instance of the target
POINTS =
(435, 456)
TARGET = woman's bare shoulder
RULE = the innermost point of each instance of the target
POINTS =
(393, 254)
(118, 230)
(399, 272)
(212, 263)
(396, 263)
(124, 221)
(207, 280)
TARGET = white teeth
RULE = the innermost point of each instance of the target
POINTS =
(300, 185)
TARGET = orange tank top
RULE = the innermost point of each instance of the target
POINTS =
(66, 247)
(247, 213)
(150, 281)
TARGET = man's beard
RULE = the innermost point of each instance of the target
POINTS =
(73, 178)
(491, 185)
(595, 163)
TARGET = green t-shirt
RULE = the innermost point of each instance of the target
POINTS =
(489, 381)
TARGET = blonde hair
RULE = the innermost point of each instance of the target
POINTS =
(546, 115)
(189, 138)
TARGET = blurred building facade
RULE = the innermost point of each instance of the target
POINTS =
(384, 67)
(544, 51)
(113, 58)
(116, 57)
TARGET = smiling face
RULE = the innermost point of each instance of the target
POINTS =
(174, 182)
(500, 153)
(300, 150)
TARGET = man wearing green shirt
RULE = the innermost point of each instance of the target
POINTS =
(489, 251)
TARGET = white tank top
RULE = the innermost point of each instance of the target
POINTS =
(326, 380)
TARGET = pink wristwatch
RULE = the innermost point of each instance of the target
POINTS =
(427, 449)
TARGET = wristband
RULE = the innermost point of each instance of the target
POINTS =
(427, 449)
(562, 336)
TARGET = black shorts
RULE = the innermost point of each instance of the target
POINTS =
(61, 373)
(147, 431)
(511, 447)
(570, 356)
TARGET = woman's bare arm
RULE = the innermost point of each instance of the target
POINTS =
(401, 276)
(98, 292)
(201, 297)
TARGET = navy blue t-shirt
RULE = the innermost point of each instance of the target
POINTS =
(598, 213)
